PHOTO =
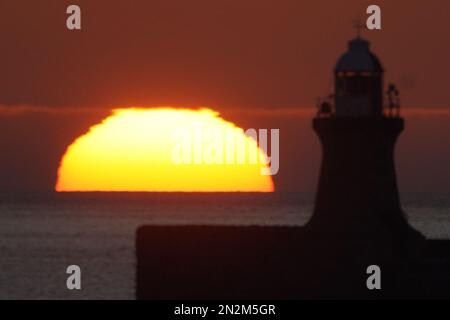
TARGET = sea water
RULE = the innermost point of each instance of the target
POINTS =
(41, 236)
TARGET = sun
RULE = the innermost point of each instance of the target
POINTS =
(164, 150)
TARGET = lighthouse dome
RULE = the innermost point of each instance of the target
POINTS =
(358, 82)
(358, 58)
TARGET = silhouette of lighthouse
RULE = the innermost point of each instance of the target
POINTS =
(357, 222)
(358, 127)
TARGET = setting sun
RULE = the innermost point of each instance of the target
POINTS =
(164, 149)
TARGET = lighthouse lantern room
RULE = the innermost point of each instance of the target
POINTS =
(358, 82)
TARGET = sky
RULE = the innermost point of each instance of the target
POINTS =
(252, 60)
(249, 53)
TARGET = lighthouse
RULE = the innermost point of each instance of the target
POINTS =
(357, 227)
(358, 125)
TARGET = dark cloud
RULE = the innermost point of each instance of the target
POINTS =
(32, 142)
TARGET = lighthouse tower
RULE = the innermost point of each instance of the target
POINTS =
(357, 197)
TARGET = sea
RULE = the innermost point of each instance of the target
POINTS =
(42, 234)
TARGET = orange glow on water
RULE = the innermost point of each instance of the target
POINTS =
(133, 150)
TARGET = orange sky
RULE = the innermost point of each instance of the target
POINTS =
(255, 60)
(249, 53)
